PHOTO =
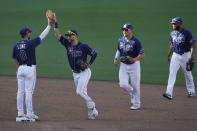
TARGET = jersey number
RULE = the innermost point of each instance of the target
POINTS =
(23, 55)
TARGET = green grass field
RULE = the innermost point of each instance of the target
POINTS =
(98, 23)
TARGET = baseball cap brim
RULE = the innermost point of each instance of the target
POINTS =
(126, 28)
(173, 22)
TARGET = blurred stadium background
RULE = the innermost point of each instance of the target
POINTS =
(98, 23)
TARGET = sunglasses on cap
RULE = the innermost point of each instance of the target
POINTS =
(70, 33)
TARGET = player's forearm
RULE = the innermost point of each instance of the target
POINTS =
(192, 51)
(16, 64)
(139, 57)
(45, 32)
(93, 58)
(117, 54)
(57, 32)
(170, 51)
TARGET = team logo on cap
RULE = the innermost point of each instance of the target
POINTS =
(125, 26)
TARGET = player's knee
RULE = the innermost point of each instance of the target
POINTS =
(21, 92)
(79, 93)
(123, 85)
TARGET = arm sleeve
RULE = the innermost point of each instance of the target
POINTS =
(64, 41)
(139, 48)
(13, 53)
(92, 53)
(171, 40)
(117, 54)
(190, 38)
(45, 32)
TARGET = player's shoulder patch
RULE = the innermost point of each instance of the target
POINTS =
(121, 44)
(121, 39)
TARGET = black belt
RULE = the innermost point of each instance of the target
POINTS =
(26, 64)
(127, 63)
(181, 53)
(76, 71)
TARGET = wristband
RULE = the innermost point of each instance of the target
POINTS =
(56, 25)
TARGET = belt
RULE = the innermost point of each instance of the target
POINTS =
(76, 71)
(127, 63)
(26, 64)
(181, 53)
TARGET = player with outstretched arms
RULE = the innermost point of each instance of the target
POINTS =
(24, 58)
(77, 53)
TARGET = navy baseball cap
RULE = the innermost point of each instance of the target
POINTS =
(71, 32)
(176, 20)
(127, 26)
(24, 31)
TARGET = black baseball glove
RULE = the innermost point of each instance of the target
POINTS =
(190, 64)
(126, 59)
(81, 65)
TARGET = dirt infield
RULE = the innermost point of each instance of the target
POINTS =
(60, 109)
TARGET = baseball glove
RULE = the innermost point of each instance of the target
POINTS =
(126, 59)
(50, 15)
(81, 65)
(190, 64)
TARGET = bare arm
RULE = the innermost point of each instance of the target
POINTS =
(170, 53)
(139, 57)
(192, 51)
(16, 64)
(57, 32)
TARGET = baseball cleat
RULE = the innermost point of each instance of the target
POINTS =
(92, 113)
(135, 107)
(190, 94)
(21, 118)
(169, 97)
(30, 120)
(32, 116)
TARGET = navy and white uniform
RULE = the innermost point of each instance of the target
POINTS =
(130, 72)
(181, 43)
(24, 53)
(81, 79)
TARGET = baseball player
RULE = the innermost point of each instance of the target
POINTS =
(181, 50)
(24, 58)
(130, 52)
(77, 51)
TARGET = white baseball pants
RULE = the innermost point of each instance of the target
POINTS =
(81, 81)
(178, 61)
(26, 77)
(131, 72)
